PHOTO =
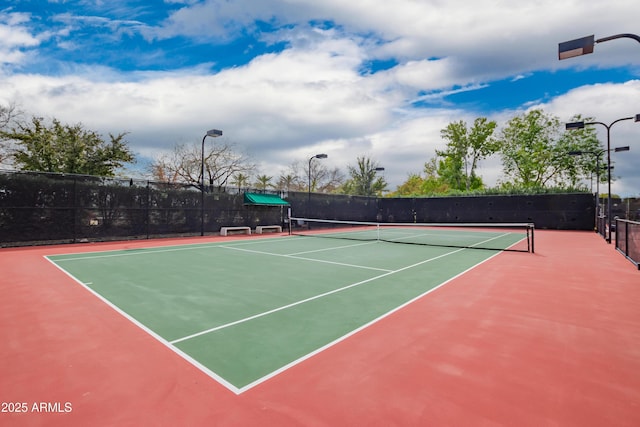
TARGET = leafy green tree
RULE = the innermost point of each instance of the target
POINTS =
(535, 151)
(67, 149)
(411, 187)
(466, 147)
(240, 180)
(263, 182)
(431, 183)
(449, 173)
(364, 180)
(289, 182)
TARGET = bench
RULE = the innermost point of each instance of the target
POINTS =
(225, 230)
(275, 228)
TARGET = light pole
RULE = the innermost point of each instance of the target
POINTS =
(598, 154)
(212, 133)
(317, 156)
(581, 125)
(584, 45)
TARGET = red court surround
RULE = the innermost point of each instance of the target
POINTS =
(544, 339)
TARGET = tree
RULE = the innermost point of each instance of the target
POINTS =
(534, 151)
(323, 179)
(449, 173)
(331, 181)
(411, 187)
(263, 182)
(433, 183)
(465, 148)
(289, 182)
(184, 164)
(240, 180)
(67, 149)
(364, 180)
(9, 116)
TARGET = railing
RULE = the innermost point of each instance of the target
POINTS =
(601, 226)
(628, 240)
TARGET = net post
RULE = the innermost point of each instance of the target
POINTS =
(531, 227)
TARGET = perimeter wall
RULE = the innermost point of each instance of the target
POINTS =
(574, 211)
(39, 208)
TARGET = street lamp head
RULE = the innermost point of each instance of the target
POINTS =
(379, 169)
(575, 153)
(618, 149)
(320, 156)
(574, 125)
(577, 47)
(214, 132)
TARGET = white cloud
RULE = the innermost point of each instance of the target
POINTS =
(14, 36)
(312, 97)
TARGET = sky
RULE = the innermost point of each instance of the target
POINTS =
(287, 79)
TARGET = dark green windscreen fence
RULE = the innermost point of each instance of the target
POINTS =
(49, 208)
(40, 208)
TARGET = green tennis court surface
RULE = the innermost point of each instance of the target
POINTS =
(244, 310)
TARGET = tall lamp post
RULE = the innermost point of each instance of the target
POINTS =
(581, 125)
(317, 156)
(584, 45)
(212, 133)
(598, 154)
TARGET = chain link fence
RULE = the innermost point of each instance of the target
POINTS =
(43, 208)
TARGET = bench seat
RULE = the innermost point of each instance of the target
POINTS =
(261, 228)
(225, 230)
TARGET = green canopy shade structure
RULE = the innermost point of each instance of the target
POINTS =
(264, 199)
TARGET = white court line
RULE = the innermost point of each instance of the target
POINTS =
(308, 259)
(131, 252)
(355, 331)
(133, 320)
(275, 310)
(159, 249)
(221, 380)
(335, 248)
(284, 307)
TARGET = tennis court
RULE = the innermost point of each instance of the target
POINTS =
(283, 330)
(243, 311)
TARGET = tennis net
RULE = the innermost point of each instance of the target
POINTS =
(503, 237)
